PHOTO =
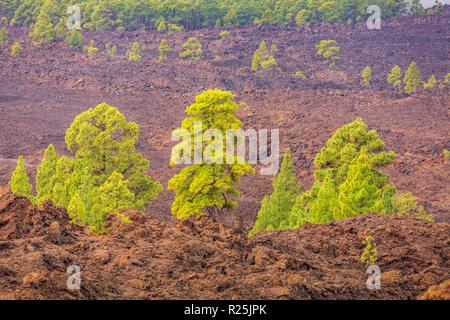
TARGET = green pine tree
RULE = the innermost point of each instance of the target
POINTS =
(75, 39)
(19, 182)
(276, 209)
(367, 75)
(264, 58)
(192, 50)
(45, 173)
(328, 49)
(4, 39)
(431, 83)
(394, 77)
(163, 48)
(43, 30)
(412, 78)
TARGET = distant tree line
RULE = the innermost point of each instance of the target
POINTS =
(194, 14)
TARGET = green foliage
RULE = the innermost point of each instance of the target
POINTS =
(212, 183)
(61, 29)
(16, 49)
(162, 26)
(446, 153)
(4, 39)
(394, 77)
(328, 50)
(134, 54)
(192, 50)
(412, 78)
(43, 30)
(348, 180)
(299, 74)
(112, 51)
(163, 48)
(447, 79)
(406, 205)
(104, 177)
(224, 35)
(75, 39)
(91, 49)
(263, 58)
(367, 75)
(173, 28)
(276, 208)
(19, 183)
(431, 83)
(369, 255)
(144, 14)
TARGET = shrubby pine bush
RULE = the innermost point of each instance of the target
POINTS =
(367, 75)
(111, 51)
(263, 58)
(210, 185)
(394, 77)
(134, 54)
(163, 48)
(16, 49)
(162, 26)
(276, 208)
(431, 83)
(224, 35)
(104, 177)
(4, 39)
(91, 49)
(173, 28)
(328, 50)
(299, 74)
(61, 30)
(412, 78)
(192, 49)
(75, 39)
(369, 255)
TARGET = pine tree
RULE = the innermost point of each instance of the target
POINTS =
(367, 75)
(358, 194)
(134, 54)
(276, 209)
(91, 49)
(328, 50)
(77, 210)
(163, 48)
(43, 30)
(264, 58)
(212, 183)
(75, 39)
(395, 76)
(162, 26)
(412, 78)
(16, 49)
(45, 173)
(4, 36)
(19, 182)
(431, 83)
(192, 50)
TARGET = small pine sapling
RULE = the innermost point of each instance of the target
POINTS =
(163, 48)
(367, 75)
(431, 83)
(328, 50)
(369, 255)
(192, 50)
(75, 39)
(412, 78)
(134, 54)
(16, 49)
(19, 182)
(224, 35)
(91, 49)
(4, 39)
(394, 77)
(264, 58)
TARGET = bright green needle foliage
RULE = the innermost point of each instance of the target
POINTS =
(19, 181)
(45, 172)
(328, 50)
(43, 30)
(406, 205)
(163, 48)
(173, 28)
(192, 50)
(4, 39)
(134, 54)
(276, 208)
(91, 49)
(431, 83)
(367, 75)
(104, 177)
(16, 49)
(263, 58)
(212, 183)
(358, 194)
(224, 35)
(75, 39)
(299, 74)
(394, 77)
(349, 163)
(412, 78)
(369, 255)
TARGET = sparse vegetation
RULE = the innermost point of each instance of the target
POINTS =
(369, 255)
(367, 75)
(328, 49)
(75, 39)
(299, 74)
(20, 183)
(163, 48)
(16, 49)
(394, 77)
(431, 83)
(224, 35)
(134, 54)
(192, 49)
(90, 49)
(4, 39)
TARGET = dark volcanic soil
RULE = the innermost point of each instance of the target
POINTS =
(151, 259)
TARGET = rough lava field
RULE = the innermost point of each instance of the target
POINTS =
(42, 91)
